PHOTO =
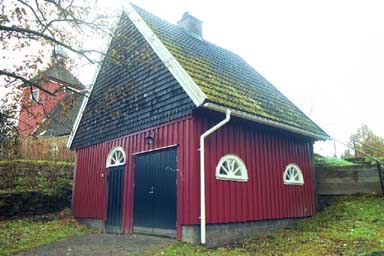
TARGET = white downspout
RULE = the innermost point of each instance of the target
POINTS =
(202, 172)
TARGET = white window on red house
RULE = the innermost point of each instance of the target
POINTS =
(231, 167)
(116, 157)
(35, 95)
(293, 175)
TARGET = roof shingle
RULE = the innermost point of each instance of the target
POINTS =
(61, 118)
(61, 74)
(226, 78)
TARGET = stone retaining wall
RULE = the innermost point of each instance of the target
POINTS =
(34, 187)
(30, 174)
(32, 202)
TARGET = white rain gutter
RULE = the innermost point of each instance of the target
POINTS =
(265, 121)
(202, 172)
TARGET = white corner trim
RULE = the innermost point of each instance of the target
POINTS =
(89, 91)
(262, 120)
(186, 82)
(81, 111)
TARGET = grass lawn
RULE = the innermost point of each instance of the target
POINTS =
(350, 226)
(25, 233)
(332, 161)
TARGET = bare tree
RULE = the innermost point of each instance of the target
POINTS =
(36, 24)
(30, 29)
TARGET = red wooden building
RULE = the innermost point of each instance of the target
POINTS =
(37, 105)
(183, 138)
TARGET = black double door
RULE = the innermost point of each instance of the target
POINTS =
(115, 199)
(154, 209)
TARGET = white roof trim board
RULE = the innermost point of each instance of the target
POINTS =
(174, 67)
(89, 92)
(265, 121)
(186, 82)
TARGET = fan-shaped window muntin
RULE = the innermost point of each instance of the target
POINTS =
(231, 167)
(116, 157)
(293, 175)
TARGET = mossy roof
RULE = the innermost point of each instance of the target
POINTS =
(226, 78)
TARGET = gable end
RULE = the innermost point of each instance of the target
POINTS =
(189, 86)
(133, 91)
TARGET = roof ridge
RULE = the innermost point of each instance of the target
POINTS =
(245, 82)
(214, 77)
(191, 36)
(166, 56)
(55, 68)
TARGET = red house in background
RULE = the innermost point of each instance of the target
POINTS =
(183, 138)
(36, 105)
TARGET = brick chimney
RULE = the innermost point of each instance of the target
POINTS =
(192, 25)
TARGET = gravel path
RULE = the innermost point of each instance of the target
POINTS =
(100, 244)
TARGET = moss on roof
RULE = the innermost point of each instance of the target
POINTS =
(226, 78)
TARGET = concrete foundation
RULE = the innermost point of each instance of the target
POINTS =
(222, 234)
(92, 223)
(217, 234)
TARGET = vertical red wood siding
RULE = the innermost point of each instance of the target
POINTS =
(265, 154)
(90, 191)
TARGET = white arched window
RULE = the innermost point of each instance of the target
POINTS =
(293, 175)
(231, 167)
(116, 157)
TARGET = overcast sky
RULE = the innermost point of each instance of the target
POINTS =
(326, 56)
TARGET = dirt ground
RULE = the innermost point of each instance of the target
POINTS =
(100, 244)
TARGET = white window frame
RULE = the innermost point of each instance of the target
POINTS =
(35, 99)
(111, 155)
(231, 176)
(293, 182)
(54, 149)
